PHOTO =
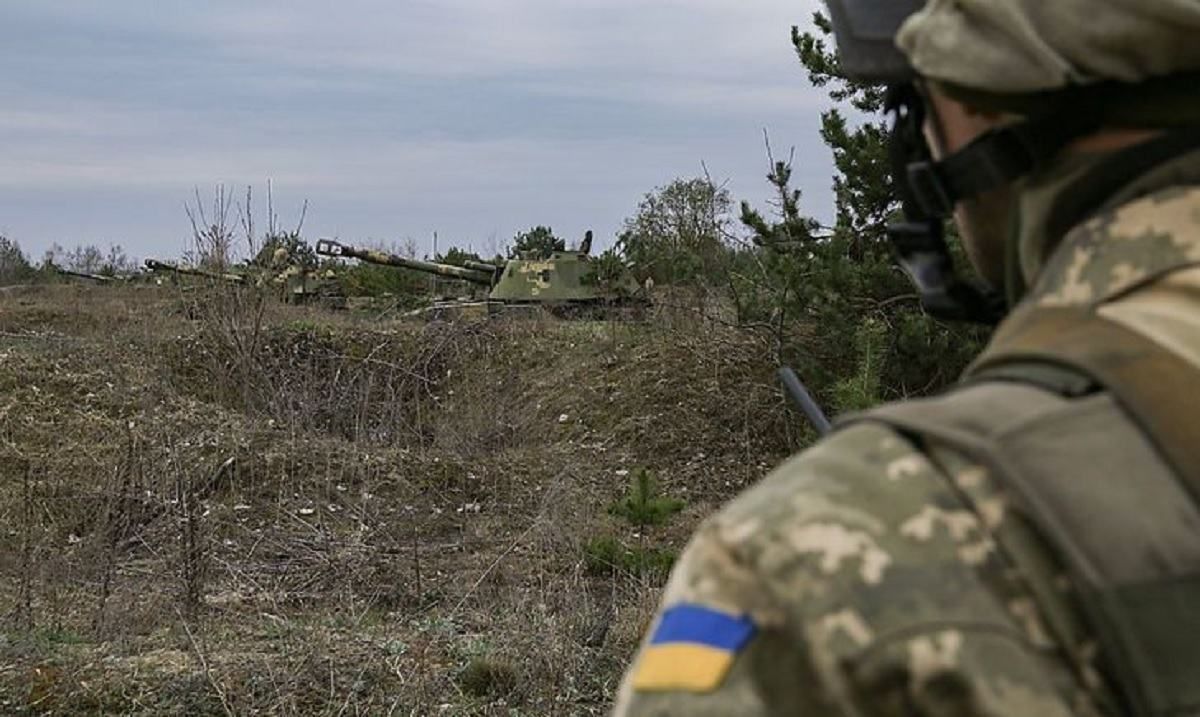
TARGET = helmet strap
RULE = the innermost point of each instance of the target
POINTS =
(929, 189)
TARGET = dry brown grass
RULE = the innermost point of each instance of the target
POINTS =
(222, 508)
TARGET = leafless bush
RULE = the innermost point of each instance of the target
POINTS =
(230, 313)
(212, 230)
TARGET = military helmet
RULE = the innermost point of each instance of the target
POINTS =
(866, 37)
(1018, 46)
(1066, 67)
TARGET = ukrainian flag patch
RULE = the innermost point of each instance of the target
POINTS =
(692, 649)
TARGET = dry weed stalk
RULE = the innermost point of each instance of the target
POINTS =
(25, 591)
(192, 554)
(115, 527)
(198, 653)
(212, 233)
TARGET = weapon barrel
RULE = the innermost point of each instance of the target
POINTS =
(481, 266)
(328, 247)
(155, 265)
(804, 400)
(94, 277)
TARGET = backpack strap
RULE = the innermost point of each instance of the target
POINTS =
(1094, 429)
(1108, 506)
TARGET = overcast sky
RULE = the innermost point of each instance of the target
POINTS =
(394, 119)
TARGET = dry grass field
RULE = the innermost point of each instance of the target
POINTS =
(211, 503)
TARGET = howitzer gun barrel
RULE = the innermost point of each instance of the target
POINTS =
(328, 247)
(155, 265)
(481, 266)
(82, 275)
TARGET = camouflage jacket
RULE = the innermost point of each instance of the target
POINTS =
(871, 575)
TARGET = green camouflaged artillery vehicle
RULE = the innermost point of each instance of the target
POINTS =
(293, 284)
(565, 283)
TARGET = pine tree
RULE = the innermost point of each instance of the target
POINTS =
(643, 505)
(537, 243)
(846, 317)
(14, 267)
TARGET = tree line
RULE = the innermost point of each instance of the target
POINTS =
(829, 300)
(16, 267)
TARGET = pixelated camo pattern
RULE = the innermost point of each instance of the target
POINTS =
(1120, 250)
(885, 566)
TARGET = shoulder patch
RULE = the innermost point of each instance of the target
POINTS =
(691, 649)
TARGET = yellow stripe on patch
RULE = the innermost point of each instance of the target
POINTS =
(681, 666)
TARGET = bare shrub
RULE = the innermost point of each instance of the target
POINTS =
(212, 229)
(230, 314)
(192, 558)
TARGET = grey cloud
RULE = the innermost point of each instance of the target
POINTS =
(394, 118)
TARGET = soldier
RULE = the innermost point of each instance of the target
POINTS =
(1029, 542)
(279, 257)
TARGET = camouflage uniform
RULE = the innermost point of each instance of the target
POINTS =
(879, 574)
(875, 574)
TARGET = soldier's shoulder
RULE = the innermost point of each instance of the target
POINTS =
(1123, 246)
(866, 546)
(854, 467)
(839, 518)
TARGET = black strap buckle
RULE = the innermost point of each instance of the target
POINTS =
(929, 189)
(923, 255)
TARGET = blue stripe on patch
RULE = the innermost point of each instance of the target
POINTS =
(703, 626)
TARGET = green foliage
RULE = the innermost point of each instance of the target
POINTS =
(793, 230)
(677, 236)
(364, 279)
(608, 273)
(14, 267)
(308, 327)
(457, 257)
(862, 389)
(288, 249)
(839, 309)
(537, 243)
(47, 638)
(642, 505)
(607, 556)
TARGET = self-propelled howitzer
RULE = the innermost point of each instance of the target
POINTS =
(565, 281)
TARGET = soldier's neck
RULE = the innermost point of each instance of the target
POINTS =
(1076, 188)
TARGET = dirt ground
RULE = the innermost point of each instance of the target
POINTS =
(214, 504)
